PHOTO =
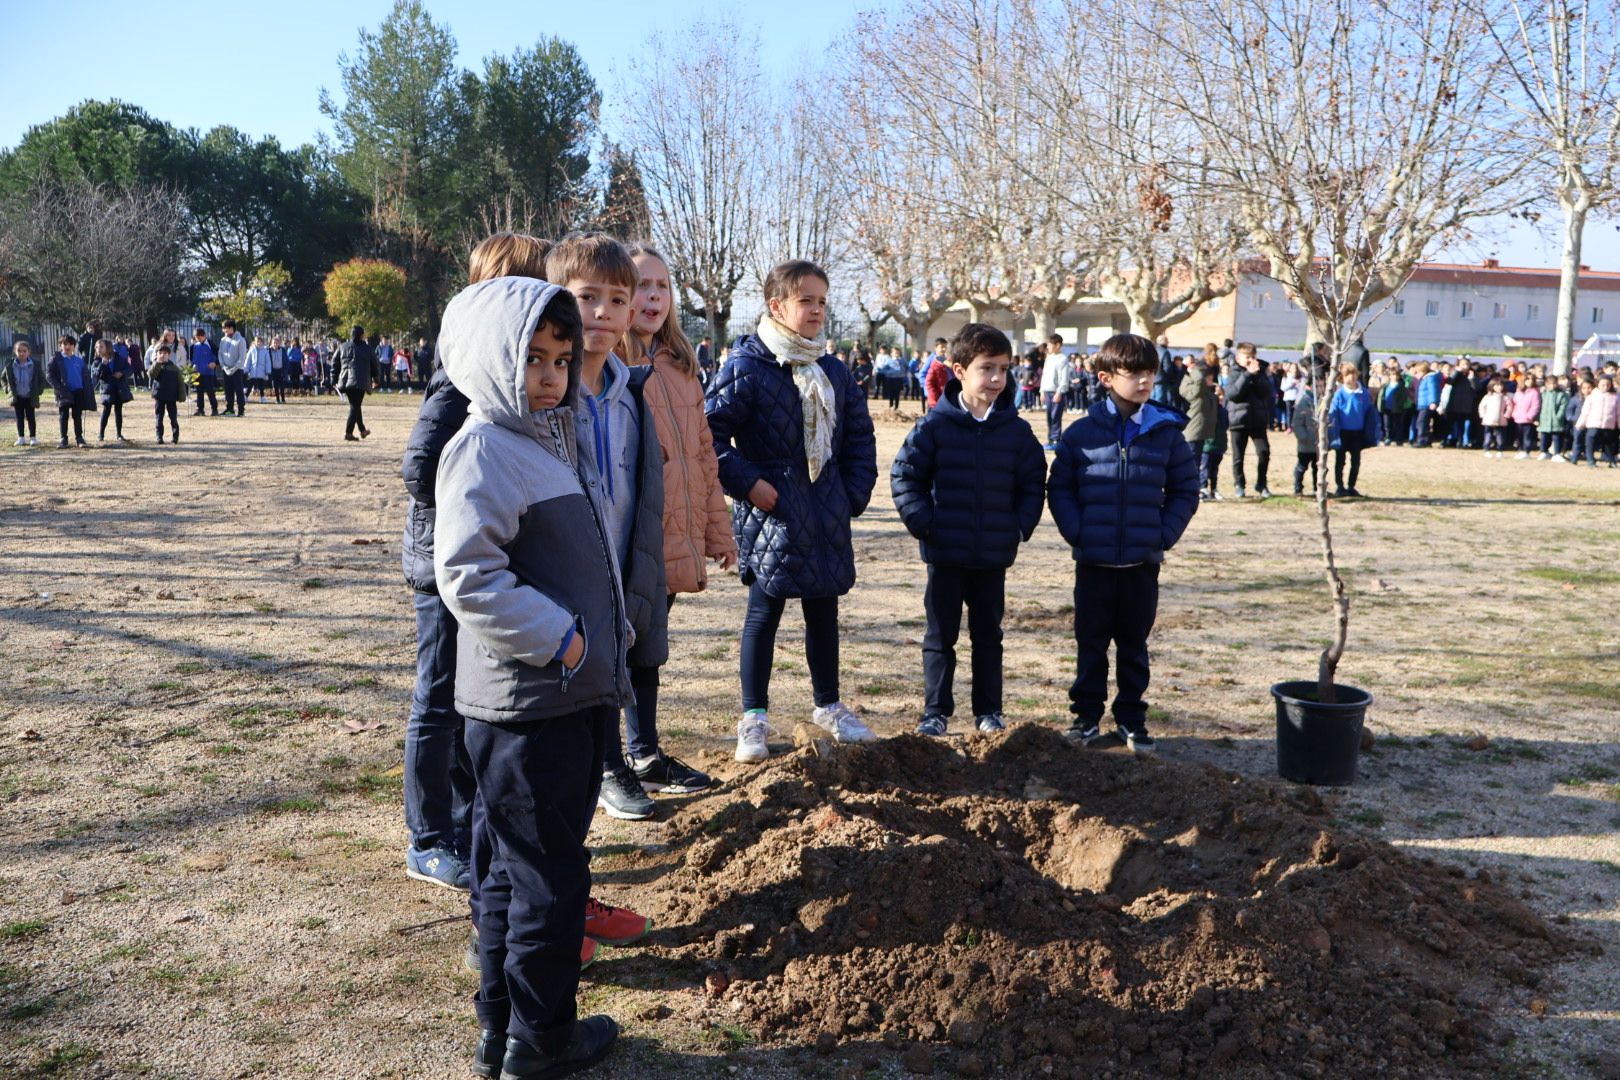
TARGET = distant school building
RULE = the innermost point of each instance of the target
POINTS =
(1443, 308)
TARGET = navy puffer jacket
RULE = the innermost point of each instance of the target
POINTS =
(970, 491)
(444, 411)
(1119, 505)
(802, 547)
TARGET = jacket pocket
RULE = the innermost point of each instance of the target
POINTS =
(568, 673)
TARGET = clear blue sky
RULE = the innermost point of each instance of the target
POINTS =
(260, 67)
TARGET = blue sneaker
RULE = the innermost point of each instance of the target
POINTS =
(932, 724)
(438, 866)
(991, 721)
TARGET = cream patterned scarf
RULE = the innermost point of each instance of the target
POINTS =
(815, 389)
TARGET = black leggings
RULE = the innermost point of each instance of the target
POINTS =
(114, 409)
(25, 415)
(355, 421)
(759, 646)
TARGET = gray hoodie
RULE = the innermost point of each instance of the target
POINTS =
(522, 554)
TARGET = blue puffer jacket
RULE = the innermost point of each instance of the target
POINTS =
(802, 547)
(1118, 505)
(1353, 423)
(1428, 390)
(444, 411)
(970, 491)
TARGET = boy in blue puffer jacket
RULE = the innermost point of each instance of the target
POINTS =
(1123, 488)
(969, 483)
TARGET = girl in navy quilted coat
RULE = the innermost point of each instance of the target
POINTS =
(797, 456)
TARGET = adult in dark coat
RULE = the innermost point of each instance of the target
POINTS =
(1462, 406)
(1358, 355)
(357, 373)
(1248, 408)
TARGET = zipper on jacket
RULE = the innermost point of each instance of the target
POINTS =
(584, 654)
(1119, 522)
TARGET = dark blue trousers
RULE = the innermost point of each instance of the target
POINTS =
(984, 592)
(1112, 604)
(537, 788)
(438, 779)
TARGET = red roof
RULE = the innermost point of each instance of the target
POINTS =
(1510, 276)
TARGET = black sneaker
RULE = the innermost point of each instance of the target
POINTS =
(933, 724)
(622, 795)
(593, 1037)
(671, 776)
(1140, 742)
(1093, 737)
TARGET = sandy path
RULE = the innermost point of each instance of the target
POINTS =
(202, 872)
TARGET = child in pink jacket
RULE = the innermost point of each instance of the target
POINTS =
(1496, 413)
(1600, 422)
(1526, 411)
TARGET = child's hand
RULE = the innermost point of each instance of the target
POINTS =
(575, 652)
(763, 495)
(726, 561)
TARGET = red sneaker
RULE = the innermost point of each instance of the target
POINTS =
(587, 954)
(613, 925)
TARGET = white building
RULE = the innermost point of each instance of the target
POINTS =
(1443, 308)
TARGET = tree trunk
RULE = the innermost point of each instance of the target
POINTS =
(1569, 281)
(916, 332)
(1143, 323)
(1328, 663)
(1045, 325)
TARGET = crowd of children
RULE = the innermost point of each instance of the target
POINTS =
(568, 475)
(92, 368)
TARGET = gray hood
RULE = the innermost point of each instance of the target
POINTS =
(485, 336)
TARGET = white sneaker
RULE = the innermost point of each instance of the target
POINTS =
(845, 726)
(1520, 456)
(1543, 456)
(32, 441)
(751, 732)
(20, 441)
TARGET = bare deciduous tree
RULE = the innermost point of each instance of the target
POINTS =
(1562, 58)
(75, 251)
(906, 257)
(691, 118)
(1165, 238)
(1353, 138)
(977, 115)
(802, 191)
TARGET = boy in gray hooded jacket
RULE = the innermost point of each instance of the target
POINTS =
(524, 561)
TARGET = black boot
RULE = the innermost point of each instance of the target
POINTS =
(489, 1054)
(593, 1038)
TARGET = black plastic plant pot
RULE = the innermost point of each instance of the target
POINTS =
(1317, 743)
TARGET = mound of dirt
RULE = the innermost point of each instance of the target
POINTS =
(1017, 906)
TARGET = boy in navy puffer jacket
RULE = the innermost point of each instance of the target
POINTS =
(969, 483)
(1123, 488)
